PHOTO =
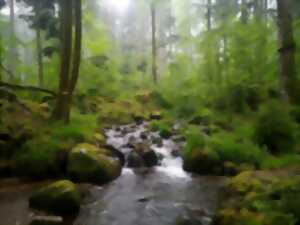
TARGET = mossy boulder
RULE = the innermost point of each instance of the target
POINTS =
(202, 161)
(59, 198)
(88, 163)
(156, 115)
(99, 139)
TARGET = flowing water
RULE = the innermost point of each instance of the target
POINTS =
(162, 195)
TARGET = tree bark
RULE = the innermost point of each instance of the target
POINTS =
(77, 52)
(61, 111)
(12, 42)
(287, 51)
(209, 15)
(77, 45)
(244, 12)
(39, 47)
(40, 57)
(154, 48)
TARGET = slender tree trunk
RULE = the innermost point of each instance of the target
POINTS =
(209, 15)
(39, 48)
(287, 51)
(61, 111)
(154, 48)
(266, 6)
(244, 12)
(77, 44)
(40, 57)
(12, 42)
(77, 51)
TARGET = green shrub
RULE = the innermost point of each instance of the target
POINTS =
(41, 157)
(232, 148)
(275, 129)
(194, 139)
(163, 127)
(274, 162)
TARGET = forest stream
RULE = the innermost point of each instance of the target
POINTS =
(161, 195)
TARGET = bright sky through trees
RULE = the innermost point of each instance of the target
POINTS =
(120, 5)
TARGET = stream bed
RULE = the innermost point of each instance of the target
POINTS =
(161, 195)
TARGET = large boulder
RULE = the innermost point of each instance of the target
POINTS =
(59, 198)
(202, 161)
(142, 156)
(88, 163)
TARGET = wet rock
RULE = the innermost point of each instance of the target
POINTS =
(87, 163)
(150, 158)
(134, 160)
(144, 135)
(47, 220)
(142, 155)
(202, 161)
(158, 141)
(176, 153)
(138, 118)
(178, 139)
(116, 154)
(60, 198)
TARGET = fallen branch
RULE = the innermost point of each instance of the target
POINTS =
(20, 87)
(27, 88)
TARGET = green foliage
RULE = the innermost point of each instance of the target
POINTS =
(45, 154)
(275, 129)
(239, 150)
(195, 140)
(286, 160)
(39, 158)
(163, 127)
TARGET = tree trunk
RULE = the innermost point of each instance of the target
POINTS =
(287, 51)
(154, 49)
(244, 12)
(77, 45)
(39, 48)
(62, 111)
(77, 51)
(40, 57)
(12, 42)
(209, 15)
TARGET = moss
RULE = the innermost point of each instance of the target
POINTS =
(202, 161)
(245, 182)
(40, 158)
(99, 139)
(60, 198)
(87, 163)
(262, 197)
